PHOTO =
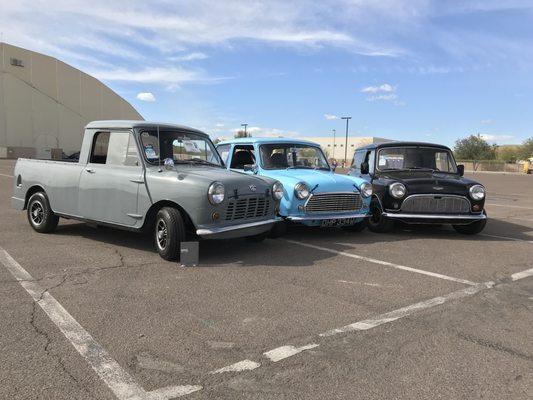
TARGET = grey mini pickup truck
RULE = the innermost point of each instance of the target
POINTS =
(162, 178)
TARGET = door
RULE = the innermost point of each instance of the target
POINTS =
(109, 183)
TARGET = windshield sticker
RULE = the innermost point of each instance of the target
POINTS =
(149, 151)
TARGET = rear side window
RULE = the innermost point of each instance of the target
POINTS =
(115, 148)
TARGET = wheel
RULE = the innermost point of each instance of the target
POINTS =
(357, 227)
(169, 232)
(278, 230)
(473, 228)
(377, 222)
(257, 238)
(40, 214)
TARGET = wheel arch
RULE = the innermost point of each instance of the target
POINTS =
(30, 192)
(149, 220)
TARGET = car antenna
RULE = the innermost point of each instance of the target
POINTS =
(159, 152)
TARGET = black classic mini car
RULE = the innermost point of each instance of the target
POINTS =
(419, 183)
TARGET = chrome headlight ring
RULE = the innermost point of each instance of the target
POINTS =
(277, 191)
(301, 190)
(397, 190)
(366, 189)
(477, 192)
(216, 193)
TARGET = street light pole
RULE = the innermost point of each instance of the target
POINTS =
(334, 131)
(346, 144)
(245, 125)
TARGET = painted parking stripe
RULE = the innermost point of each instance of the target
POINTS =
(283, 352)
(508, 206)
(244, 365)
(506, 238)
(121, 383)
(385, 263)
(8, 176)
(406, 311)
(521, 275)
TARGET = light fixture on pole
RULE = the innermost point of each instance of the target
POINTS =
(245, 125)
(334, 131)
(346, 144)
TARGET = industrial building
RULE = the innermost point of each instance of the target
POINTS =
(45, 103)
(335, 147)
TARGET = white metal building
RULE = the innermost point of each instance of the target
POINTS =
(45, 103)
(335, 148)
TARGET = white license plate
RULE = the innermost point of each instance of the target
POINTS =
(338, 222)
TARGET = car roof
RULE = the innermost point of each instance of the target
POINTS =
(261, 140)
(400, 144)
(131, 124)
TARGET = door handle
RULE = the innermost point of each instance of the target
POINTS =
(89, 170)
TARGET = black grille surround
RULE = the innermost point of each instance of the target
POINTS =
(333, 203)
(247, 207)
(436, 204)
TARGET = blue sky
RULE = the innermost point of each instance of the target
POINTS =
(415, 69)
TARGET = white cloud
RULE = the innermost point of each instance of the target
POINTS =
(384, 88)
(189, 57)
(496, 138)
(330, 116)
(383, 97)
(146, 96)
(487, 121)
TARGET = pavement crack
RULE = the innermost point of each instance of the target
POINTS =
(494, 346)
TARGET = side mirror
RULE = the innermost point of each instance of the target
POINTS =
(250, 168)
(461, 169)
(364, 168)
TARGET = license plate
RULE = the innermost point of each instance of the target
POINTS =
(338, 222)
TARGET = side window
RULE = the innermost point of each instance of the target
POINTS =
(242, 155)
(115, 148)
(371, 159)
(223, 150)
(100, 146)
(358, 159)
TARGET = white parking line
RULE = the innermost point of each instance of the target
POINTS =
(121, 383)
(521, 275)
(8, 176)
(506, 238)
(244, 365)
(385, 263)
(508, 206)
(283, 352)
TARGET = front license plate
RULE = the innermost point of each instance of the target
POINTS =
(338, 222)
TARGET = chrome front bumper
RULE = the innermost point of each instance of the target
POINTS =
(321, 217)
(217, 230)
(472, 217)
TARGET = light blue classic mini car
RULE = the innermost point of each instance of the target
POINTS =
(313, 194)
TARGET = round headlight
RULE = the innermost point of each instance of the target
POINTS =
(477, 192)
(366, 189)
(216, 193)
(397, 190)
(277, 191)
(301, 190)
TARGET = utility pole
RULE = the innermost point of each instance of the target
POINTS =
(346, 144)
(334, 131)
(245, 125)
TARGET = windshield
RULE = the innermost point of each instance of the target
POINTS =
(423, 158)
(289, 155)
(182, 147)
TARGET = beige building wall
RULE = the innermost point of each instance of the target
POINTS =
(335, 148)
(45, 103)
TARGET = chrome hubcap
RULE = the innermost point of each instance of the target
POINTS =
(161, 234)
(37, 213)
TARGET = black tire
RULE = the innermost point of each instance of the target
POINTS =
(40, 214)
(357, 227)
(169, 232)
(473, 228)
(377, 222)
(278, 230)
(257, 238)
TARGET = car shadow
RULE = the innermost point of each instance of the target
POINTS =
(280, 253)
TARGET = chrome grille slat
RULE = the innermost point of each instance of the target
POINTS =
(247, 208)
(436, 204)
(333, 202)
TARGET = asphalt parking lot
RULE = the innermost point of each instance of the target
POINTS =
(318, 314)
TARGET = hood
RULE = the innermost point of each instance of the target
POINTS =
(243, 183)
(327, 181)
(430, 182)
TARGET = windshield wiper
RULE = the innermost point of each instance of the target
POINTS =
(299, 166)
(196, 161)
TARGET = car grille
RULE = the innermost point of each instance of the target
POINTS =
(247, 207)
(436, 205)
(333, 202)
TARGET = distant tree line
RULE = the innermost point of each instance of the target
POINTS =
(474, 147)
